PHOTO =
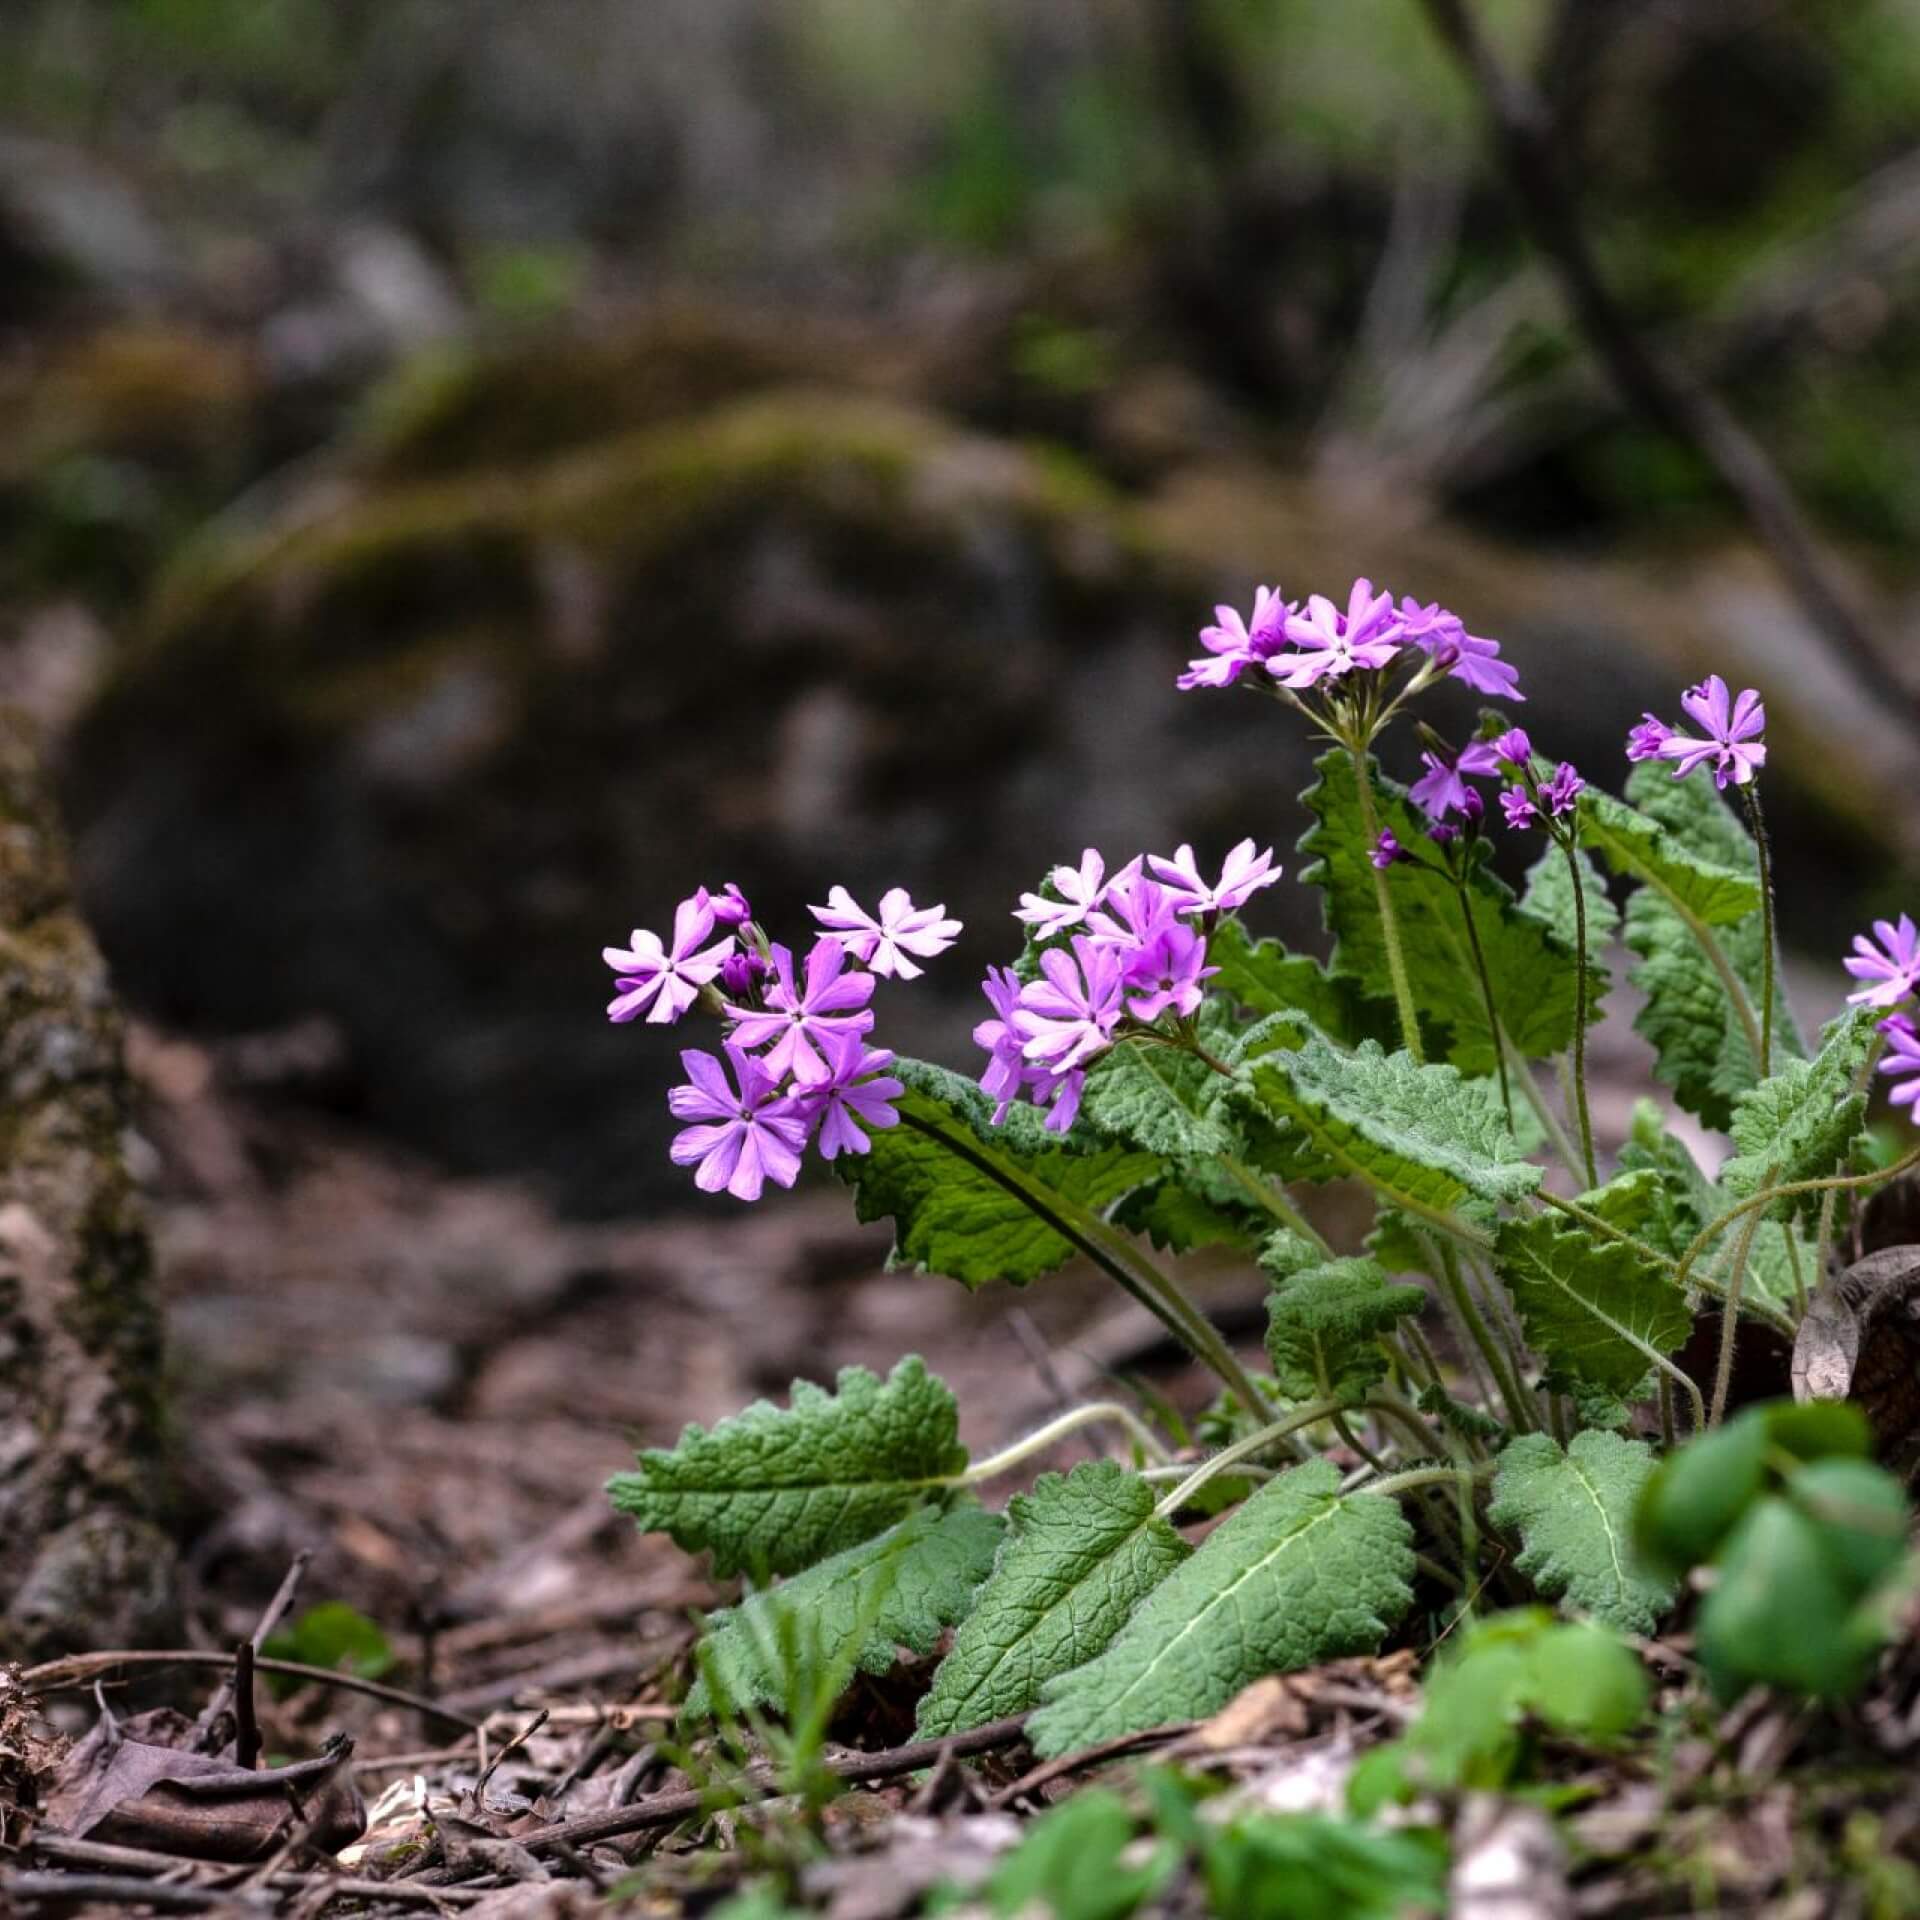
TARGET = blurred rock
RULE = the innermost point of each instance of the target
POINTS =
(564, 637)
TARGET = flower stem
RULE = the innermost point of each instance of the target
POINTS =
(1567, 1153)
(1255, 1442)
(1109, 1250)
(1486, 996)
(1389, 924)
(1423, 1477)
(1750, 794)
(1057, 1430)
(1506, 1376)
(1580, 1006)
(1730, 1315)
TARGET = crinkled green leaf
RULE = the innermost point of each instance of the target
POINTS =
(1549, 897)
(956, 1200)
(1595, 1309)
(1424, 1136)
(772, 1489)
(1573, 1510)
(1178, 1214)
(1530, 967)
(903, 1588)
(1716, 891)
(1699, 1040)
(1801, 1123)
(1296, 1575)
(1325, 1324)
(1082, 1550)
(1157, 1099)
(1264, 977)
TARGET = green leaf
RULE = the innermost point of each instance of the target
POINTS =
(1717, 892)
(1177, 1215)
(1082, 1550)
(1296, 1575)
(1157, 1099)
(1593, 1308)
(1700, 1043)
(1801, 1123)
(1265, 978)
(1324, 1327)
(1573, 1509)
(336, 1636)
(903, 1588)
(1783, 1613)
(957, 1200)
(1423, 1136)
(1068, 1864)
(772, 1491)
(1530, 967)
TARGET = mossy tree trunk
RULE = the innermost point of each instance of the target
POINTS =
(83, 1558)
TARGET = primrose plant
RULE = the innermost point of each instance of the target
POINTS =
(1481, 1390)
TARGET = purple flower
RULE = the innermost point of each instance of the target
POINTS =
(742, 1140)
(1242, 875)
(1068, 1015)
(798, 1017)
(1562, 792)
(1733, 729)
(1442, 789)
(1893, 966)
(729, 905)
(1514, 745)
(1006, 1065)
(848, 1096)
(1080, 889)
(1135, 911)
(1520, 811)
(1060, 1092)
(1443, 637)
(884, 943)
(668, 978)
(1903, 1056)
(1332, 644)
(1167, 972)
(1387, 851)
(1444, 833)
(1237, 644)
(741, 972)
(1647, 739)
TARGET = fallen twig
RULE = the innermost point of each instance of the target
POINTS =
(1088, 1757)
(206, 1728)
(78, 1669)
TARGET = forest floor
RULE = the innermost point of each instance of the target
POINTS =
(411, 1389)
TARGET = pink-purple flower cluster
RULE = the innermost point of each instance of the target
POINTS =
(797, 1065)
(1137, 951)
(1733, 726)
(1316, 643)
(1890, 965)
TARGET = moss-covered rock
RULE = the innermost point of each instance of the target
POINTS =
(82, 1558)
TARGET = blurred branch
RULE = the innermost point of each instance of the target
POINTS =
(1650, 383)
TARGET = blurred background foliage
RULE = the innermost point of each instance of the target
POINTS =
(402, 392)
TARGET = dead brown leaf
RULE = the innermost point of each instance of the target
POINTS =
(136, 1784)
(1860, 1341)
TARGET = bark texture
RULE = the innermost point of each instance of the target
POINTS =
(83, 1558)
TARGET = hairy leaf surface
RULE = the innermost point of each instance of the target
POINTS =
(1549, 897)
(1593, 1308)
(771, 1490)
(1157, 1099)
(1716, 891)
(955, 1200)
(1699, 1040)
(1423, 1135)
(1530, 967)
(1082, 1550)
(1325, 1324)
(903, 1588)
(1296, 1575)
(1801, 1123)
(1573, 1510)
(1265, 978)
